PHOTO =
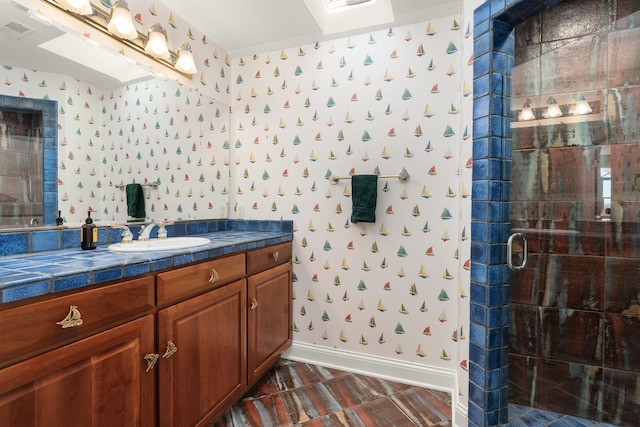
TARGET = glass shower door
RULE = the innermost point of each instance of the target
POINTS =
(574, 308)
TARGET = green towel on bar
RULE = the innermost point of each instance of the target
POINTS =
(135, 201)
(363, 198)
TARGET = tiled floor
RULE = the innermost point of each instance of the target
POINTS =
(298, 394)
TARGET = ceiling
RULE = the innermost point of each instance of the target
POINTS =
(244, 27)
(241, 27)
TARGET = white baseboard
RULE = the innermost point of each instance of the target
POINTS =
(384, 368)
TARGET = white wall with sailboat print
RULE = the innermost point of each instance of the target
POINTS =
(381, 102)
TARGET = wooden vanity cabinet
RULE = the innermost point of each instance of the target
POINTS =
(207, 372)
(172, 350)
(269, 323)
(224, 338)
(97, 381)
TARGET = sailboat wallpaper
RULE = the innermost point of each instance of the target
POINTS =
(374, 103)
(377, 103)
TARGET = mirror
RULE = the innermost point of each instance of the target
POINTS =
(162, 134)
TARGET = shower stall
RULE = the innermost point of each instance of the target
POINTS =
(564, 97)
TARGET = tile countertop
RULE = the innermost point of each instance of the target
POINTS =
(33, 274)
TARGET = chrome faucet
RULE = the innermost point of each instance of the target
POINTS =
(145, 232)
(33, 222)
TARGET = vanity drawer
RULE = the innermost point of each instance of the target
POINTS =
(33, 328)
(265, 258)
(176, 285)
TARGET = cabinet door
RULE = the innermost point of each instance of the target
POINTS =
(269, 318)
(207, 372)
(97, 381)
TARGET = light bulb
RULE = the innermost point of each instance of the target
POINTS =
(81, 7)
(553, 110)
(185, 62)
(121, 23)
(157, 43)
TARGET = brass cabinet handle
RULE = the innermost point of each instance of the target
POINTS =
(151, 359)
(214, 276)
(254, 304)
(73, 319)
(275, 255)
(171, 348)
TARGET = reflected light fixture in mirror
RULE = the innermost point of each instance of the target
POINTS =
(527, 112)
(582, 106)
(81, 7)
(185, 62)
(553, 110)
(157, 43)
(121, 23)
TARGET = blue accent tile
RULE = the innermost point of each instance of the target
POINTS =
(481, 127)
(478, 313)
(480, 233)
(480, 148)
(481, 88)
(45, 241)
(479, 210)
(497, 7)
(160, 264)
(66, 283)
(17, 293)
(481, 28)
(481, 49)
(477, 334)
(136, 269)
(14, 243)
(482, 12)
(493, 379)
(481, 107)
(497, 84)
(479, 295)
(181, 259)
(475, 393)
(107, 275)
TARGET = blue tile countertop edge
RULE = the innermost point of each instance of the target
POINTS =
(31, 274)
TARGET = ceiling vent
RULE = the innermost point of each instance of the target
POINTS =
(14, 30)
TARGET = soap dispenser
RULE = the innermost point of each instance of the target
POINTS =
(59, 219)
(88, 234)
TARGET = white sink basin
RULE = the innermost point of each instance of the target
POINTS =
(168, 244)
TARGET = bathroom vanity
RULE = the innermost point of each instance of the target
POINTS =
(172, 347)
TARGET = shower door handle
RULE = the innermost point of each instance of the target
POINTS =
(523, 263)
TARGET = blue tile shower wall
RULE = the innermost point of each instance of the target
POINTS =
(22, 242)
(494, 60)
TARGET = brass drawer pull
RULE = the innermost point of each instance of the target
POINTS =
(73, 319)
(171, 348)
(254, 304)
(151, 359)
(214, 276)
(275, 255)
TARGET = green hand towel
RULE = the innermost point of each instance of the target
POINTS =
(363, 198)
(135, 201)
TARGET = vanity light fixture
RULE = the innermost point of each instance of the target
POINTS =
(553, 110)
(185, 62)
(120, 26)
(527, 112)
(157, 43)
(81, 7)
(582, 106)
(120, 22)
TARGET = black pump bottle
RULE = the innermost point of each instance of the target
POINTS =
(88, 234)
